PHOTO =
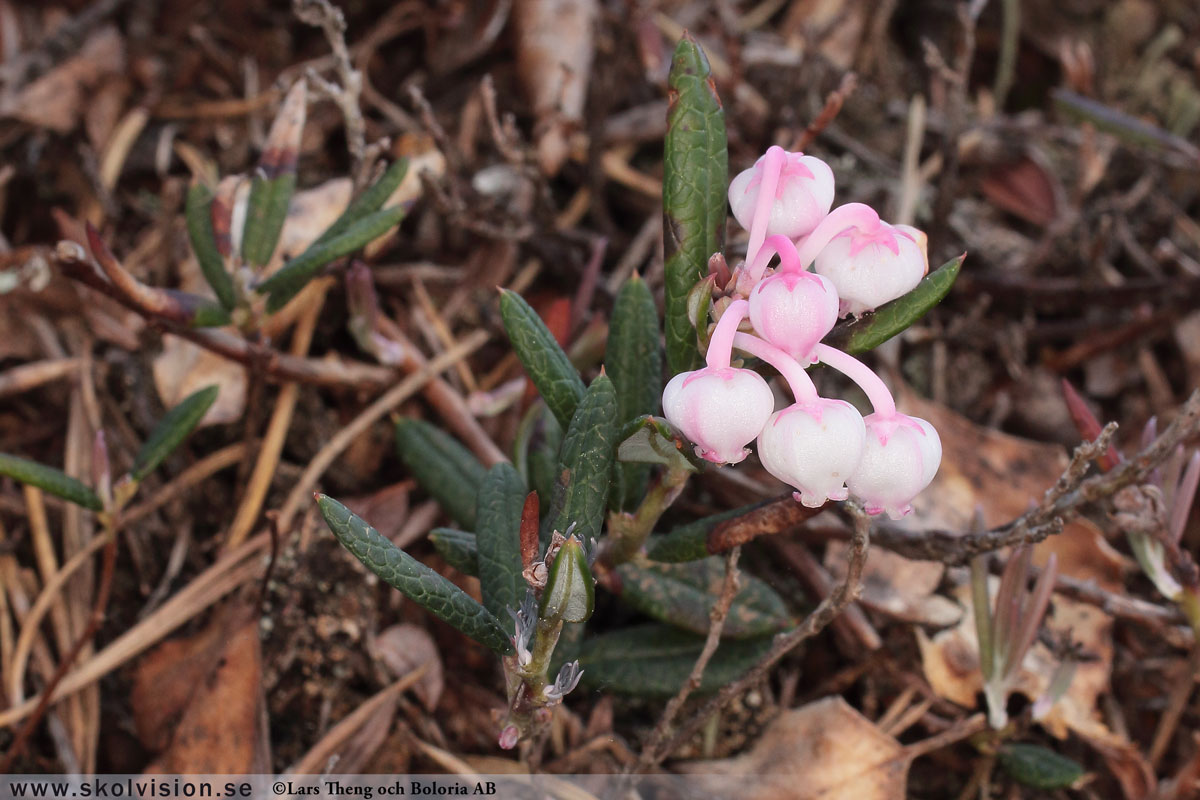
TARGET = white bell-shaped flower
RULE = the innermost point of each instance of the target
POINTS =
(901, 456)
(814, 447)
(872, 267)
(721, 409)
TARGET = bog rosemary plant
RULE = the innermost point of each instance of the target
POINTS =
(603, 467)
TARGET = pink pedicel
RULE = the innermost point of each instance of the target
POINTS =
(720, 409)
(794, 311)
(901, 456)
(803, 195)
(814, 448)
(872, 267)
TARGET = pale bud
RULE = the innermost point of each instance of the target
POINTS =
(870, 268)
(794, 311)
(802, 199)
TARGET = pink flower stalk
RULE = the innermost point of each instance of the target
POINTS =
(793, 309)
(901, 454)
(720, 408)
(784, 194)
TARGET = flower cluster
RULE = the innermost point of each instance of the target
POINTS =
(822, 447)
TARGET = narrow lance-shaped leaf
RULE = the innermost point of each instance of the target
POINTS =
(49, 479)
(633, 360)
(695, 178)
(545, 362)
(585, 464)
(369, 201)
(458, 548)
(271, 190)
(682, 594)
(498, 539)
(416, 581)
(172, 429)
(535, 450)
(204, 243)
(1039, 767)
(871, 330)
(655, 660)
(442, 467)
(295, 274)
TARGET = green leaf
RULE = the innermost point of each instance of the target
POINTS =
(498, 540)
(873, 329)
(275, 179)
(535, 450)
(1039, 767)
(545, 362)
(458, 548)
(266, 211)
(416, 581)
(210, 315)
(198, 213)
(695, 182)
(690, 542)
(633, 360)
(570, 593)
(683, 595)
(369, 201)
(585, 464)
(652, 440)
(49, 479)
(443, 467)
(295, 274)
(654, 660)
(175, 426)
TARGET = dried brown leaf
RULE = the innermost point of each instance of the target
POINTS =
(199, 700)
(554, 63)
(404, 648)
(824, 750)
(56, 99)
(900, 588)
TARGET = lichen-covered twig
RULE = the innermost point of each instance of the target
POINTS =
(1068, 498)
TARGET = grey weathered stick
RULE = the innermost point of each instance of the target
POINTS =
(1067, 499)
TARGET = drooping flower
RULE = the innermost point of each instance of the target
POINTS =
(720, 409)
(899, 459)
(814, 447)
(870, 268)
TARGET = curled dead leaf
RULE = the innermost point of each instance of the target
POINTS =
(824, 750)
(198, 700)
(554, 62)
(404, 648)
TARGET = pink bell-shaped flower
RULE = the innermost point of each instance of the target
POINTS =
(814, 447)
(901, 456)
(721, 409)
(794, 310)
(870, 267)
(803, 195)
